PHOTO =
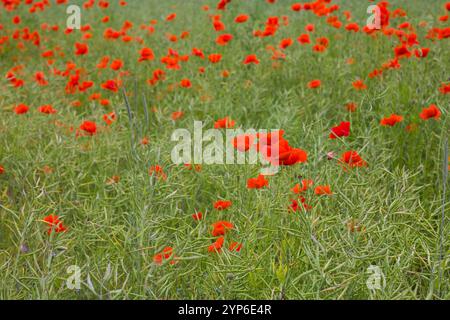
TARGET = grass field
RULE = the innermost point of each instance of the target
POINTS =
(125, 211)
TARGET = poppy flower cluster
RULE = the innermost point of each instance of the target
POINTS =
(272, 146)
(220, 229)
(165, 255)
(170, 60)
(301, 189)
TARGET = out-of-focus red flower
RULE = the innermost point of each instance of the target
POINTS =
(304, 39)
(251, 58)
(176, 115)
(422, 52)
(351, 106)
(158, 172)
(21, 109)
(257, 183)
(47, 109)
(81, 49)
(286, 43)
(432, 112)
(391, 121)
(342, 130)
(214, 57)
(296, 7)
(220, 228)
(165, 255)
(241, 18)
(197, 216)
(116, 64)
(314, 84)
(235, 246)
(353, 159)
(217, 245)
(54, 224)
(224, 39)
(304, 186)
(109, 118)
(89, 127)
(359, 85)
(445, 88)
(295, 205)
(243, 143)
(146, 54)
(323, 190)
(222, 205)
(185, 83)
(224, 123)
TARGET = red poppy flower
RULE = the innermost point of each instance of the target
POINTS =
(176, 115)
(241, 18)
(158, 172)
(190, 167)
(54, 224)
(222, 205)
(432, 112)
(224, 39)
(116, 64)
(217, 245)
(2, 170)
(305, 184)
(40, 78)
(293, 156)
(111, 85)
(243, 143)
(220, 228)
(314, 84)
(445, 88)
(286, 43)
(296, 7)
(81, 49)
(109, 118)
(214, 57)
(21, 109)
(353, 159)
(197, 216)
(359, 85)
(352, 27)
(235, 246)
(351, 106)
(89, 127)
(47, 109)
(146, 54)
(295, 205)
(422, 53)
(251, 58)
(402, 51)
(342, 130)
(309, 27)
(304, 38)
(171, 17)
(224, 123)
(392, 120)
(257, 183)
(198, 53)
(185, 83)
(218, 25)
(103, 63)
(323, 190)
(164, 255)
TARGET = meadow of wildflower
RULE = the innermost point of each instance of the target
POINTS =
(349, 102)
